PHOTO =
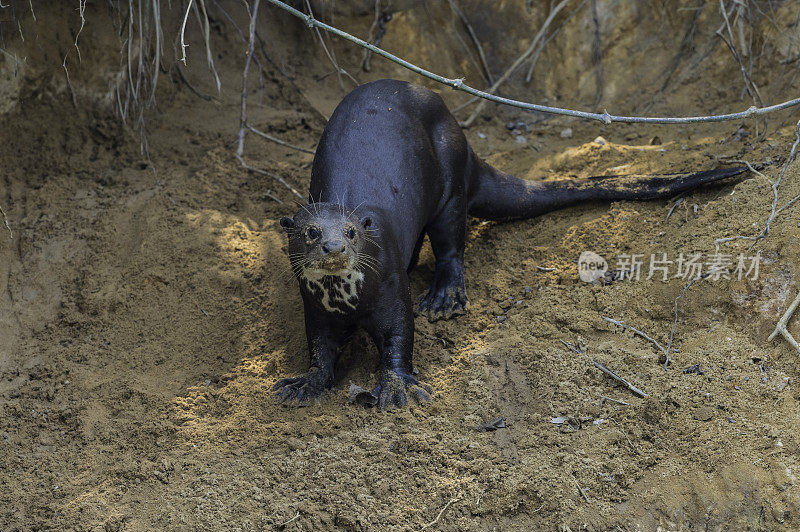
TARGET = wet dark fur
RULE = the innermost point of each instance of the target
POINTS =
(394, 163)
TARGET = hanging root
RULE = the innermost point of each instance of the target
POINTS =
(5, 222)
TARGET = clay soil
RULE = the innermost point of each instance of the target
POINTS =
(147, 307)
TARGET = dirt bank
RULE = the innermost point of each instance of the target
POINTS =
(146, 307)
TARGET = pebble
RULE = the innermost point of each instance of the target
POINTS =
(599, 140)
(566, 133)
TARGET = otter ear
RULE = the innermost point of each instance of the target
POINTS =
(366, 221)
(287, 224)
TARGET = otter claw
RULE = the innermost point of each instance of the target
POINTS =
(443, 304)
(303, 388)
(395, 389)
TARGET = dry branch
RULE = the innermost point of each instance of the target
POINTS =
(279, 141)
(458, 84)
(635, 331)
(475, 40)
(619, 379)
(277, 178)
(516, 64)
(331, 54)
(781, 327)
(774, 211)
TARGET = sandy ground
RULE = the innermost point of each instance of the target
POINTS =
(144, 318)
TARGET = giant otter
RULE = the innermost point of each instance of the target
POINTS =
(392, 166)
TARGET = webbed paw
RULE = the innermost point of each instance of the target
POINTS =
(307, 386)
(444, 303)
(396, 387)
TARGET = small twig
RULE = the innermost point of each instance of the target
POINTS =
(81, 11)
(580, 489)
(5, 222)
(687, 44)
(381, 19)
(289, 521)
(521, 59)
(675, 320)
(250, 49)
(614, 400)
(774, 211)
(674, 205)
(277, 178)
(570, 346)
(781, 327)
(203, 20)
(751, 87)
(279, 141)
(197, 92)
(549, 38)
(624, 434)
(183, 31)
(635, 331)
(441, 513)
(619, 379)
(69, 83)
(458, 84)
(597, 55)
(330, 53)
(475, 40)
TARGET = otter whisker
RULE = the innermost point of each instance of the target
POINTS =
(374, 243)
(372, 267)
(354, 210)
(367, 257)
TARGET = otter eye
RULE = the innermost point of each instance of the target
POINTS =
(312, 233)
(351, 233)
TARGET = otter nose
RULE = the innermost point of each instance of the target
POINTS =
(333, 247)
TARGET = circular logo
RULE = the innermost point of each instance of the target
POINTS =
(591, 266)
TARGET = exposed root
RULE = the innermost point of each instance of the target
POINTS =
(441, 513)
(5, 222)
(516, 64)
(781, 327)
(279, 141)
(775, 210)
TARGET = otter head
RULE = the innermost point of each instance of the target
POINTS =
(325, 240)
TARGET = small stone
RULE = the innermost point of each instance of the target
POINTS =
(779, 383)
(705, 413)
(481, 135)
(566, 133)
(600, 140)
(655, 141)
(520, 139)
(501, 319)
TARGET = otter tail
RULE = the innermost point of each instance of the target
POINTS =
(495, 195)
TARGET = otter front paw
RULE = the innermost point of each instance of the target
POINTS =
(444, 303)
(396, 387)
(305, 387)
